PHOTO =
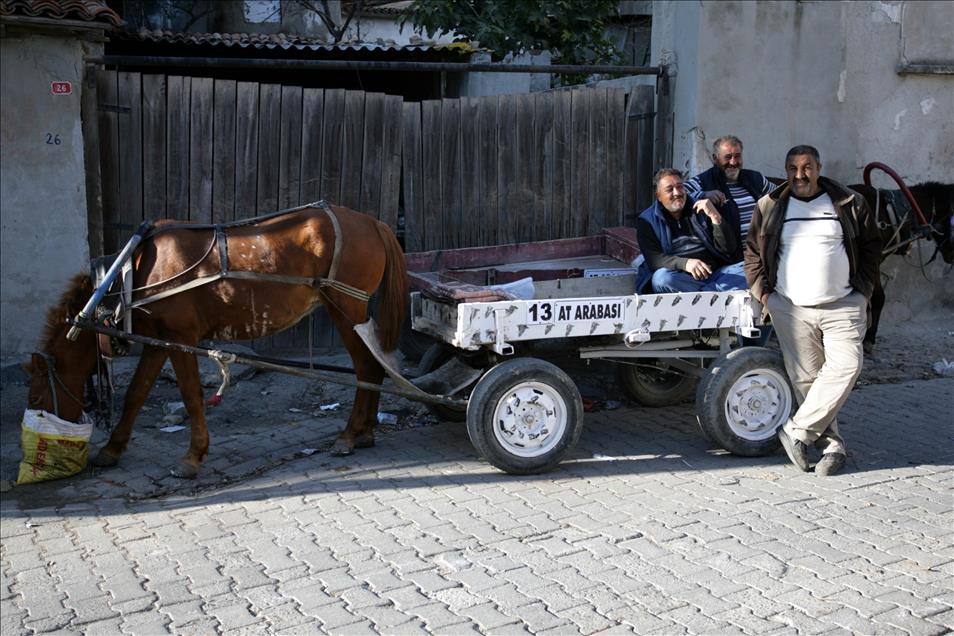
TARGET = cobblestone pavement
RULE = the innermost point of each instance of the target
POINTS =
(646, 529)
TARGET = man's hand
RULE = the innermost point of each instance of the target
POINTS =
(706, 207)
(700, 270)
(716, 196)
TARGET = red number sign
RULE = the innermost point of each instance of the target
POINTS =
(61, 88)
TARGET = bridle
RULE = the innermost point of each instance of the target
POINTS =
(53, 380)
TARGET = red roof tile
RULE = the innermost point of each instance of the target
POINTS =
(84, 10)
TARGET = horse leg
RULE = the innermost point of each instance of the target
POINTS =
(150, 364)
(359, 433)
(877, 304)
(190, 387)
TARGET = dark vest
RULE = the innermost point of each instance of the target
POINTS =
(713, 179)
(701, 227)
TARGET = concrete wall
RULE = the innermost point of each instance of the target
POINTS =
(42, 183)
(824, 73)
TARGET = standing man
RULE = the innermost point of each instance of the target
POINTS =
(812, 261)
(685, 244)
(733, 189)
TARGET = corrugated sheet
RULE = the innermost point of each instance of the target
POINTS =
(84, 10)
(285, 41)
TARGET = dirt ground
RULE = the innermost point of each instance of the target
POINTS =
(257, 401)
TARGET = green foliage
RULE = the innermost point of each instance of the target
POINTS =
(572, 30)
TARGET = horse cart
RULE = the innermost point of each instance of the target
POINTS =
(487, 312)
(491, 309)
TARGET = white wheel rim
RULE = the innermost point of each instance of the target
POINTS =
(530, 419)
(757, 404)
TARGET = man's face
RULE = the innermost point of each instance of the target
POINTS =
(671, 193)
(802, 171)
(729, 160)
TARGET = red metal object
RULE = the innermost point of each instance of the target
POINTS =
(61, 88)
(897, 178)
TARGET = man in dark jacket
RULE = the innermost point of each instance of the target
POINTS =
(732, 188)
(812, 259)
(686, 245)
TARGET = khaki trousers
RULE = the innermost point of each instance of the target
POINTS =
(822, 350)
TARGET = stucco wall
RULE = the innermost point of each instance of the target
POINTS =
(824, 73)
(42, 185)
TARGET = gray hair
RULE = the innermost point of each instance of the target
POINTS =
(803, 149)
(665, 172)
(726, 139)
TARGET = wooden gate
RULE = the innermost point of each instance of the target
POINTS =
(445, 173)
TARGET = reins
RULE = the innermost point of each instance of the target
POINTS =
(53, 379)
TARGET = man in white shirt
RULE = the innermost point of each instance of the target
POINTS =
(812, 258)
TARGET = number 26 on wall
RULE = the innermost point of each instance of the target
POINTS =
(53, 139)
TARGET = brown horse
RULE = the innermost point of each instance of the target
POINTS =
(901, 226)
(280, 267)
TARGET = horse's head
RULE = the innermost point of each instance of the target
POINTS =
(59, 370)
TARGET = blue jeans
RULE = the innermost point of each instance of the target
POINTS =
(728, 278)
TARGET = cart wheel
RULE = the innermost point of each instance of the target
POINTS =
(436, 355)
(743, 400)
(413, 344)
(524, 415)
(654, 386)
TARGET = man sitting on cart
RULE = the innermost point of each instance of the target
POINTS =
(686, 245)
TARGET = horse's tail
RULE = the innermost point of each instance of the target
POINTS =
(393, 290)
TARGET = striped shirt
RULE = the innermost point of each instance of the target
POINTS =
(743, 200)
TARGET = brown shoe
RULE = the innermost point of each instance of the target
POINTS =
(829, 464)
(797, 451)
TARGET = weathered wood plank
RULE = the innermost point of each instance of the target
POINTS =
(596, 192)
(177, 147)
(413, 181)
(450, 172)
(108, 119)
(615, 148)
(200, 150)
(433, 216)
(269, 146)
(372, 162)
(246, 149)
(223, 151)
(563, 214)
(154, 146)
(129, 89)
(352, 149)
(333, 136)
(541, 162)
(508, 200)
(289, 166)
(525, 211)
(638, 114)
(645, 151)
(488, 192)
(470, 171)
(313, 102)
(579, 144)
(391, 165)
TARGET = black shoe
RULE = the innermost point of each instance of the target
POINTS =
(829, 464)
(797, 451)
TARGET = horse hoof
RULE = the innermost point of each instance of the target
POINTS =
(185, 470)
(104, 459)
(341, 448)
(868, 348)
(364, 442)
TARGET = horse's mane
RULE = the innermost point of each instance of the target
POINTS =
(69, 304)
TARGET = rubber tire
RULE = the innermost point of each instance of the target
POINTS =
(491, 388)
(636, 387)
(436, 355)
(712, 393)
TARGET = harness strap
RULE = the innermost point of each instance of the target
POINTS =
(225, 273)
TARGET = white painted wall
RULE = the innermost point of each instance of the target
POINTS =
(42, 185)
(824, 73)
